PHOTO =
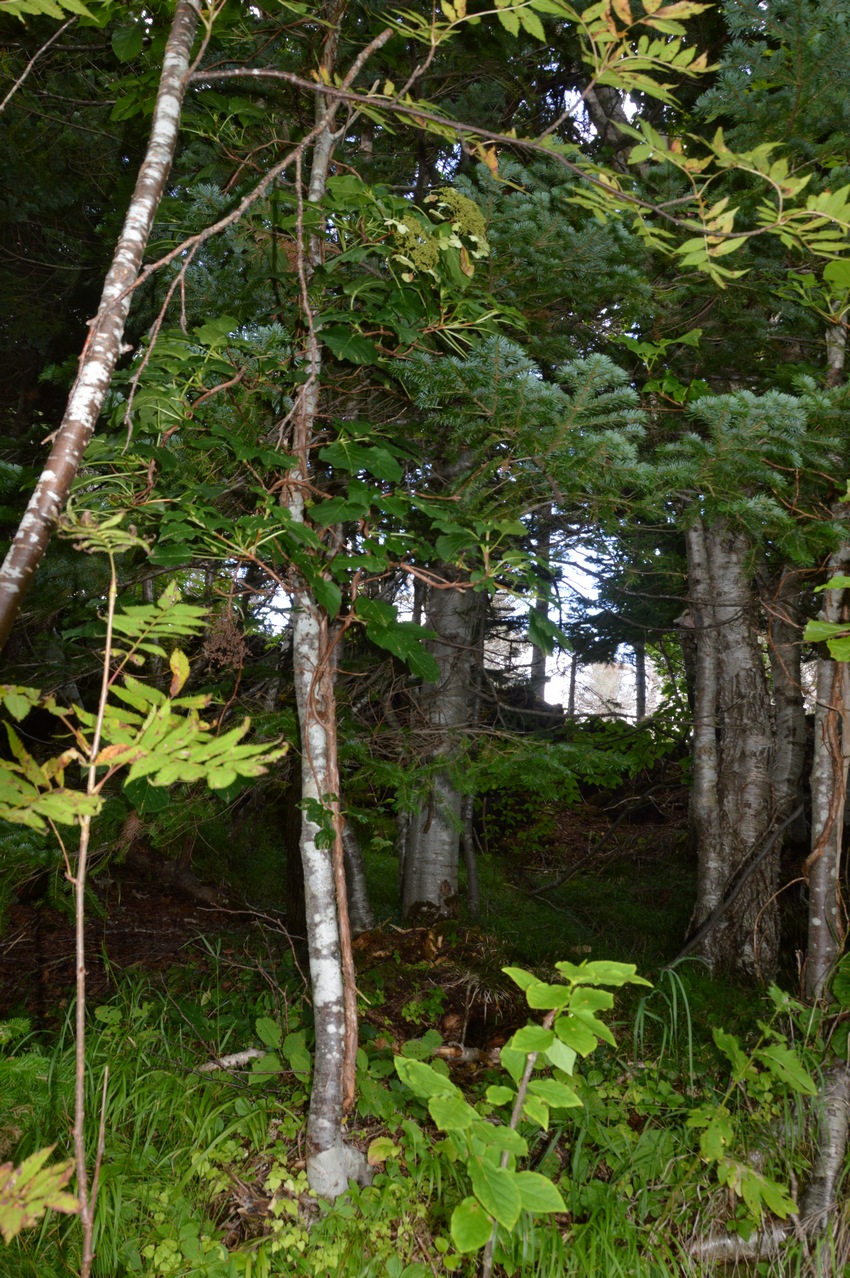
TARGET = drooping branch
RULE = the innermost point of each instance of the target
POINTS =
(103, 344)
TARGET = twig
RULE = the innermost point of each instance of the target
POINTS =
(33, 61)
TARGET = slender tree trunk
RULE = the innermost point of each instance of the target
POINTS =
(571, 695)
(733, 821)
(831, 750)
(537, 675)
(103, 344)
(445, 708)
(330, 1162)
(640, 680)
(829, 786)
(704, 813)
(361, 916)
(785, 636)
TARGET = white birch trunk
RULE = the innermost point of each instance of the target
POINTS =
(103, 345)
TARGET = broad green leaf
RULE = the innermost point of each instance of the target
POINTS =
(451, 1113)
(268, 1032)
(499, 1095)
(127, 41)
(731, 1049)
(537, 1192)
(532, 1038)
(520, 977)
(601, 972)
(556, 1095)
(347, 455)
(544, 997)
(496, 1189)
(497, 1136)
(471, 1227)
(423, 1080)
(575, 1034)
(537, 1110)
(561, 1056)
(349, 345)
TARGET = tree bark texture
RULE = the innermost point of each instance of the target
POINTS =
(103, 345)
(785, 637)
(732, 798)
(445, 709)
(829, 785)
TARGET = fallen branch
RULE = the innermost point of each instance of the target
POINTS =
(234, 1061)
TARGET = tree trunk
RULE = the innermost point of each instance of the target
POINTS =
(829, 786)
(640, 680)
(785, 636)
(733, 757)
(361, 916)
(330, 1162)
(103, 344)
(430, 872)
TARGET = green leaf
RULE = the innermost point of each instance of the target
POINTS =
(533, 1038)
(380, 1149)
(347, 455)
(556, 1095)
(471, 1227)
(545, 997)
(496, 1189)
(498, 1136)
(841, 982)
(423, 1080)
(601, 972)
(127, 41)
(575, 1034)
(268, 1032)
(544, 634)
(561, 1056)
(520, 977)
(785, 1065)
(499, 1095)
(451, 1113)
(328, 595)
(146, 798)
(537, 1192)
(350, 345)
(537, 1110)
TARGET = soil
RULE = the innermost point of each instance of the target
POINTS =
(133, 922)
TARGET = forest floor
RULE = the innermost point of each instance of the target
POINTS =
(600, 881)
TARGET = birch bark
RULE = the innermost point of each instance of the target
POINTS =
(103, 344)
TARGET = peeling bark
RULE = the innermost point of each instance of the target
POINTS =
(103, 344)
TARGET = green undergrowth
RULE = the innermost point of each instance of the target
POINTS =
(626, 1150)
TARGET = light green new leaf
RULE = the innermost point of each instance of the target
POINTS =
(532, 1038)
(556, 1095)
